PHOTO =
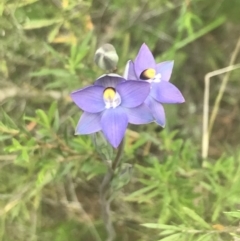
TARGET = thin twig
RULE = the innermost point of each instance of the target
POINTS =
(16, 199)
(205, 137)
(207, 129)
(223, 87)
(106, 205)
(29, 93)
(104, 194)
(81, 210)
(8, 158)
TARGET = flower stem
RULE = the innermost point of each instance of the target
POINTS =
(119, 155)
(105, 194)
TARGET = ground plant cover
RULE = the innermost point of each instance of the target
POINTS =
(152, 179)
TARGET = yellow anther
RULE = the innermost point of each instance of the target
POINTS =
(109, 93)
(148, 74)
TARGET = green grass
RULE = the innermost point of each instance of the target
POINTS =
(49, 178)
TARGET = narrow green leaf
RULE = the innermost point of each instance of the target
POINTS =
(86, 40)
(167, 232)
(55, 53)
(5, 137)
(216, 23)
(1, 8)
(16, 143)
(43, 118)
(53, 33)
(174, 237)
(196, 217)
(8, 130)
(205, 237)
(52, 110)
(55, 72)
(142, 191)
(21, 4)
(33, 24)
(56, 122)
(161, 226)
(79, 52)
(234, 214)
(24, 155)
(73, 51)
(7, 120)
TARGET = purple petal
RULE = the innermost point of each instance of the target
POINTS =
(165, 69)
(144, 60)
(139, 115)
(157, 110)
(89, 99)
(114, 124)
(129, 73)
(88, 123)
(167, 93)
(133, 93)
(109, 80)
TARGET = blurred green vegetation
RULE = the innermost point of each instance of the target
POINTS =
(49, 178)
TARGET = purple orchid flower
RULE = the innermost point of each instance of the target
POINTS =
(145, 69)
(110, 104)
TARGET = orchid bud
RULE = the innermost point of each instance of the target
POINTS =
(106, 57)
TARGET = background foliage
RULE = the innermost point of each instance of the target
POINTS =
(49, 178)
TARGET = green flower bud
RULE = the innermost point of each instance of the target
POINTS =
(106, 57)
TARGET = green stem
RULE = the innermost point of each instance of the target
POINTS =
(104, 192)
(119, 155)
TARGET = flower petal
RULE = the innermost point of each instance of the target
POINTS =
(144, 60)
(114, 124)
(165, 69)
(139, 115)
(133, 93)
(109, 80)
(129, 73)
(167, 93)
(157, 110)
(88, 123)
(89, 99)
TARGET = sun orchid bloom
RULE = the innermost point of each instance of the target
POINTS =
(110, 104)
(145, 69)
